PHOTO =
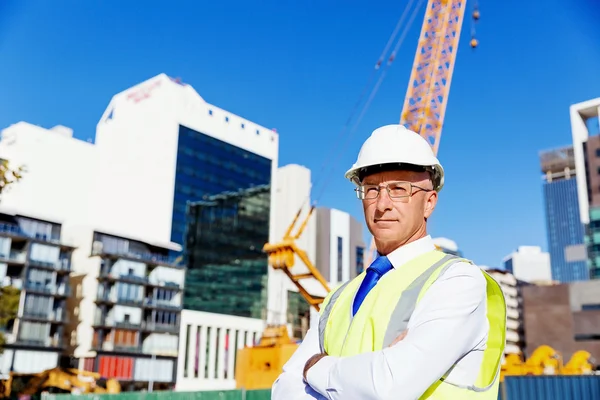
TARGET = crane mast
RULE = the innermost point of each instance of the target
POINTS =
(429, 84)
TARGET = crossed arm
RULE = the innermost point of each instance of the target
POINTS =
(449, 322)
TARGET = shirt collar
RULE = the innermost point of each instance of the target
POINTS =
(404, 254)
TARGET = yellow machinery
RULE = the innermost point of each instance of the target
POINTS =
(581, 363)
(58, 380)
(547, 361)
(423, 112)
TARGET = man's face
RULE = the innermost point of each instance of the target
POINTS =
(394, 222)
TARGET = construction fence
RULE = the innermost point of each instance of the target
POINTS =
(580, 387)
(207, 395)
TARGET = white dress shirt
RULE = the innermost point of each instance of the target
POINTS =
(448, 328)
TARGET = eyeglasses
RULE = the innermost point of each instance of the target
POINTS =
(396, 190)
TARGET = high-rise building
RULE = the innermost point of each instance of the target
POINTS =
(35, 263)
(529, 264)
(184, 149)
(586, 145)
(565, 232)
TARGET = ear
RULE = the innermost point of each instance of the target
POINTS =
(430, 203)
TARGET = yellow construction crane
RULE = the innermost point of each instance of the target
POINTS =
(423, 112)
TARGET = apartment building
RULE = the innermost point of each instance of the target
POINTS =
(511, 287)
(138, 311)
(34, 261)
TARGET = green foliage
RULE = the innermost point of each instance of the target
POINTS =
(9, 175)
(9, 306)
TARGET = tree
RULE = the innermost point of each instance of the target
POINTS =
(9, 307)
(9, 175)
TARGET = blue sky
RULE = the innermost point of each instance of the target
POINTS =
(299, 67)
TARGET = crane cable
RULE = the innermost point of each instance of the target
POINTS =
(353, 111)
(374, 91)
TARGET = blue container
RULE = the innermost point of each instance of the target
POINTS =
(575, 387)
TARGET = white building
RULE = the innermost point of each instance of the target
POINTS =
(581, 113)
(340, 245)
(447, 245)
(529, 264)
(514, 322)
(158, 145)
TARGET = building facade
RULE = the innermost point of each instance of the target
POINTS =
(184, 149)
(138, 313)
(585, 129)
(529, 264)
(35, 263)
(511, 287)
(340, 245)
(565, 232)
(565, 317)
(190, 149)
(227, 268)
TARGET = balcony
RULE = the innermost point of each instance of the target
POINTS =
(164, 304)
(16, 232)
(128, 278)
(156, 327)
(61, 265)
(119, 347)
(12, 230)
(109, 322)
(61, 290)
(45, 342)
(58, 315)
(147, 258)
(14, 257)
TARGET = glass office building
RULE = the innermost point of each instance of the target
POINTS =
(208, 166)
(221, 215)
(564, 229)
(227, 269)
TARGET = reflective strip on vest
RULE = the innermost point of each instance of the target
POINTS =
(404, 307)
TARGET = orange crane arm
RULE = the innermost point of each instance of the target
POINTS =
(429, 85)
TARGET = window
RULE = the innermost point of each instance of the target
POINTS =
(360, 260)
(243, 126)
(598, 152)
(226, 119)
(340, 267)
(209, 112)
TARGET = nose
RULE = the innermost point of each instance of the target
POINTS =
(384, 202)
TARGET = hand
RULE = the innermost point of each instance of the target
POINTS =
(399, 338)
(312, 361)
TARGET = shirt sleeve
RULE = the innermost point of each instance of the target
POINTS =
(449, 322)
(290, 385)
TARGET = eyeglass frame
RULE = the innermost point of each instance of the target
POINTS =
(387, 188)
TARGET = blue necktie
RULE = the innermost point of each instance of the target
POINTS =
(378, 268)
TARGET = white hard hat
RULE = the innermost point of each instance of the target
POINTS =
(395, 144)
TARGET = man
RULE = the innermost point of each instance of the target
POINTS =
(418, 324)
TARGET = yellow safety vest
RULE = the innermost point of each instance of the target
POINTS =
(385, 313)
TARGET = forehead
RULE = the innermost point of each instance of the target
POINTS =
(399, 175)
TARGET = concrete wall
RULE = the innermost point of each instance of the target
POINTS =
(553, 316)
